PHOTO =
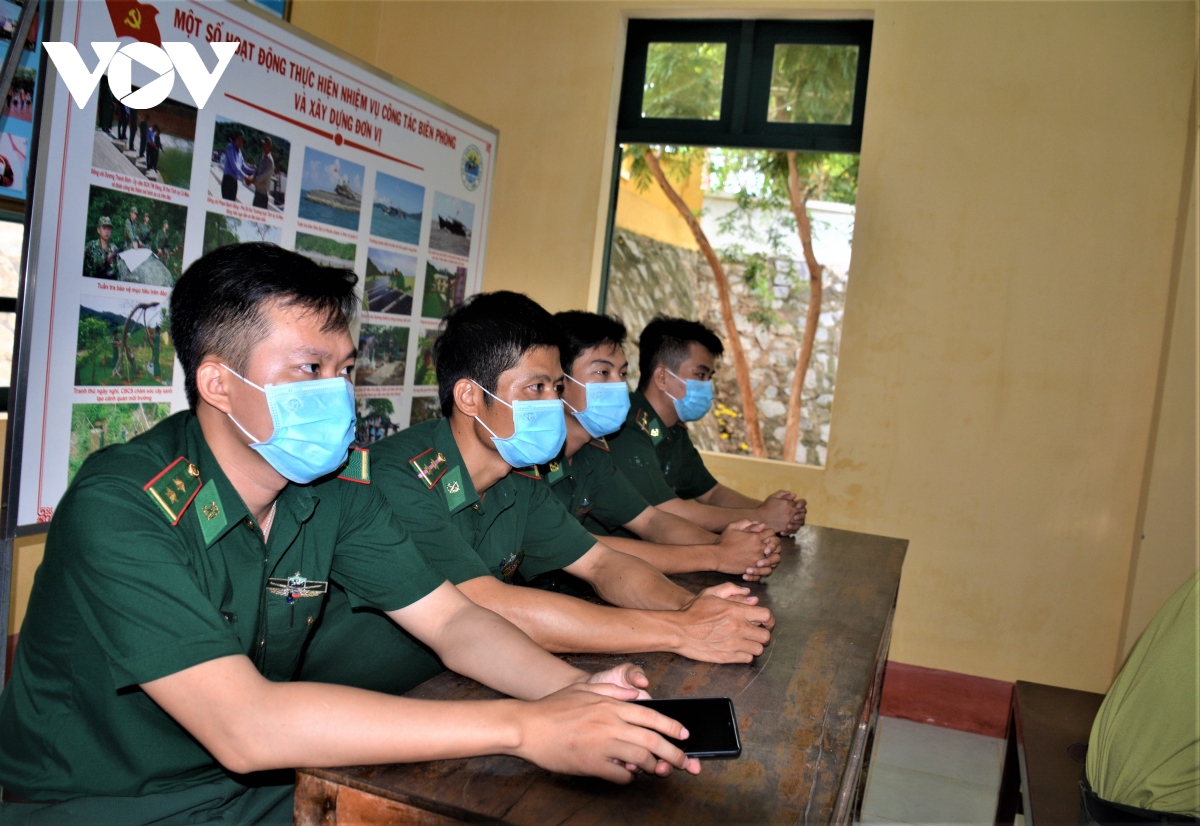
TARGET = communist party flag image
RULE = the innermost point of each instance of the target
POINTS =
(133, 19)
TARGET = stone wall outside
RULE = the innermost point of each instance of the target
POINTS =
(649, 277)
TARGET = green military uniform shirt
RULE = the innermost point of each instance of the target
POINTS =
(661, 462)
(592, 489)
(162, 240)
(98, 261)
(1144, 750)
(153, 565)
(133, 233)
(516, 526)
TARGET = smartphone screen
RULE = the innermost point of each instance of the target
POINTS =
(710, 721)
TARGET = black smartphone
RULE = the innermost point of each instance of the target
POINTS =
(710, 721)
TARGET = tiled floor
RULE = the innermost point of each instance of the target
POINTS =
(925, 774)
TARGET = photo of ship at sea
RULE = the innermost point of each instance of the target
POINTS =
(452, 225)
(331, 190)
(398, 209)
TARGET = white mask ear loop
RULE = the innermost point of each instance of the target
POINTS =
(681, 379)
(249, 435)
(581, 384)
(497, 398)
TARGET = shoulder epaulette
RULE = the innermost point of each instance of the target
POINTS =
(429, 466)
(174, 488)
(530, 472)
(650, 425)
(601, 443)
(358, 468)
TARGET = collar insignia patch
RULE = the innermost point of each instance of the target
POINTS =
(554, 473)
(650, 425)
(601, 443)
(211, 515)
(452, 486)
(430, 467)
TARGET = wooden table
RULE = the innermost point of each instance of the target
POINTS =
(806, 710)
(1048, 730)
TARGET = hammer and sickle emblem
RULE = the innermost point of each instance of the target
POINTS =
(134, 18)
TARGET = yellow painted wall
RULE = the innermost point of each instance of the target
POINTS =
(648, 212)
(1018, 200)
(1167, 549)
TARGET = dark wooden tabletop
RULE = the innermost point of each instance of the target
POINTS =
(798, 707)
(1053, 726)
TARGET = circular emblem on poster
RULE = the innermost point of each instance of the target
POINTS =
(472, 164)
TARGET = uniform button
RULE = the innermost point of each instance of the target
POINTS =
(250, 524)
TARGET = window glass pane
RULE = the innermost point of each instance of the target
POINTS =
(812, 83)
(684, 80)
(11, 234)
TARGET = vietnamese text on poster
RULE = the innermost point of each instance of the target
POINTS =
(295, 146)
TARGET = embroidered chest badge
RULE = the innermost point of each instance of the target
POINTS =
(429, 466)
(510, 566)
(296, 587)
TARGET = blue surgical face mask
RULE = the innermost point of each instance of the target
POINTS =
(540, 429)
(314, 426)
(696, 401)
(607, 407)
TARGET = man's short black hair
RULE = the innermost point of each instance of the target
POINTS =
(486, 335)
(582, 330)
(217, 306)
(667, 340)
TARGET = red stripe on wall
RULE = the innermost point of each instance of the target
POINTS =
(946, 698)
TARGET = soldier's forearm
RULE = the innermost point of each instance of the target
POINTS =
(668, 559)
(709, 517)
(565, 624)
(667, 528)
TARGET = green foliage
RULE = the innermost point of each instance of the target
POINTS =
(217, 233)
(324, 246)
(813, 83)
(96, 426)
(175, 166)
(684, 80)
(380, 407)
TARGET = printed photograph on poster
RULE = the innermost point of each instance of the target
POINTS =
(452, 225)
(123, 341)
(425, 408)
(249, 166)
(425, 375)
(331, 190)
(18, 103)
(155, 144)
(445, 289)
(95, 426)
(222, 230)
(14, 152)
(325, 251)
(398, 209)
(391, 278)
(132, 238)
(375, 419)
(382, 356)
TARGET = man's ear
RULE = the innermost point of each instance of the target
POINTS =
(660, 376)
(211, 382)
(467, 397)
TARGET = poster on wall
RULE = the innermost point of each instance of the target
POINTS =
(295, 145)
(16, 117)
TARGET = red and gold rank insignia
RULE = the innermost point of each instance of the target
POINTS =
(174, 489)
(429, 466)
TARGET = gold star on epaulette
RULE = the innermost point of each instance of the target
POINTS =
(174, 488)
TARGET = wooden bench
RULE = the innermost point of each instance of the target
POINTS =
(1048, 729)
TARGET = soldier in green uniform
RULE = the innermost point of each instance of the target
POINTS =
(145, 232)
(100, 253)
(184, 570)
(585, 480)
(676, 360)
(133, 230)
(163, 243)
(451, 482)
